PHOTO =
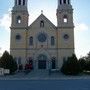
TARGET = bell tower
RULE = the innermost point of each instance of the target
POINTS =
(19, 25)
(64, 14)
(65, 29)
(20, 14)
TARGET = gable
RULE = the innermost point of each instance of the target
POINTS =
(42, 21)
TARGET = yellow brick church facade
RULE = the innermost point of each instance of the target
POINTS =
(42, 44)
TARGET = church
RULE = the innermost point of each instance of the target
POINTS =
(42, 44)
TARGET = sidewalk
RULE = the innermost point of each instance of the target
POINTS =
(42, 75)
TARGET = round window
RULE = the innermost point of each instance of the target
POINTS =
(42, 37)
(66, 36)
(18, 37)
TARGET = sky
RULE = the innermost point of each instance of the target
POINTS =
(81, 21)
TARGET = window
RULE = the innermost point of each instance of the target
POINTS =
(42, 24)
(68, 1)
(65, 19)
(42, 37)
(66, 36)
(64, 1)
(19, 60)
(31, 41)
(52, 40)
(23, 2)
(60, 1)
(18, 19)
(18, 37)
(19, 2)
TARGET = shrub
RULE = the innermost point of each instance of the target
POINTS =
(7, 62)
(82, 63)
(71, 66)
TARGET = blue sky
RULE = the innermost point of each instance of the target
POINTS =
(81, 21)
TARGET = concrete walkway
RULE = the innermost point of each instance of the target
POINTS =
(41, 75)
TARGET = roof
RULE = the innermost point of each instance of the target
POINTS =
(45, 19)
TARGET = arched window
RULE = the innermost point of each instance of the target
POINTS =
(19, 61)
(65, 19)
(64, 1)
(19, 2)
(42, 24)
(18, 19)
(52, 40)
(23, 2)
(68, 1)
(31, 41)
(60, 1)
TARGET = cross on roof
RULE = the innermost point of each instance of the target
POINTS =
(41, 11)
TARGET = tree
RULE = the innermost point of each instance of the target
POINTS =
(71, 66)
(12, 64)
(87, 59)
(7, 62)
(85, 62)
(82, 63)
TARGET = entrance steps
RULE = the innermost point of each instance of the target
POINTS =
(39, 73)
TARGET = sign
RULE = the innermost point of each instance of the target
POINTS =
(6, 71)
(1, 71)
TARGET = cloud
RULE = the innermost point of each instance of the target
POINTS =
(81, 27)
(4, 46)
(5, 20)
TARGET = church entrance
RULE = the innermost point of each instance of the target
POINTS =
(42, 61)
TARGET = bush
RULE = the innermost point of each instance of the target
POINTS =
(71, 66)
(87, 67)
(83, 64)
(7, 62)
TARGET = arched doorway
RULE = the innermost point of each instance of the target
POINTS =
(42, 61)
